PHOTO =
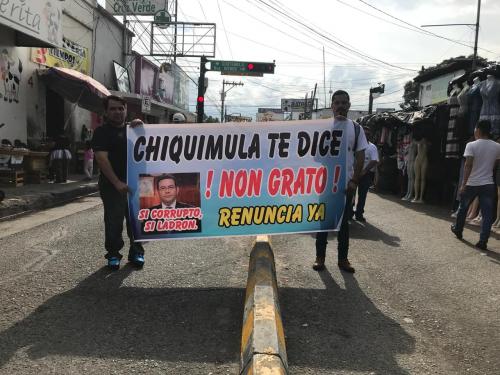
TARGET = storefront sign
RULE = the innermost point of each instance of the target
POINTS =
(296, 105)
(146, 104)
(191, 181)
(71, 55)
(40, 19)
(136, 7)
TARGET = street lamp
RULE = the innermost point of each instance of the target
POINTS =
(375, 92)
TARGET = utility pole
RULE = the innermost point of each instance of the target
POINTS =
(324, 76)
(223, 96)
(476, 25)
(312, 101)
(477, 33)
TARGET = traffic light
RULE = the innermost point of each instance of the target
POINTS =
(260, 67)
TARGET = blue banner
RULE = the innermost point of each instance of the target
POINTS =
(209, 180)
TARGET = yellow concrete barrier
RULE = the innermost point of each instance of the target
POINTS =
(263, 350)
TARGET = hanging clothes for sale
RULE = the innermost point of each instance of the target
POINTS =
(452, 140)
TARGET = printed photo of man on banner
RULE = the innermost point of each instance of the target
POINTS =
(221, 180)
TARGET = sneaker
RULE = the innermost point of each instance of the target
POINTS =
(360, 218)
(456, 232)
(136, 259)
(114, 263)
(344, 265)
(319, 265)
(482, 245)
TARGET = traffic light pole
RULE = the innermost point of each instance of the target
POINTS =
(200, 102)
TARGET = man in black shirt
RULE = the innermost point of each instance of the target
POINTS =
(110, 146)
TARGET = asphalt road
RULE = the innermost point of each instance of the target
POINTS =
(420, 302)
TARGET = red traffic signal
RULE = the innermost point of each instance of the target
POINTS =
(201, 99)
(259, 67)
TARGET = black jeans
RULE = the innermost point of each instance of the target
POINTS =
(115, 210)
(364, 185)
(343, 235)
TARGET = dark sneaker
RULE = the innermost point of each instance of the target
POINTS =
(482, 245)
(136, 259)
(114, 263)
(319, 265)
(360, 218)
(344, 265)
(456, 232)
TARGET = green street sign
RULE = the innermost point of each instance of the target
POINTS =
(242, 68)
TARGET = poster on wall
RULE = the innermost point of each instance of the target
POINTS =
(122, 78)
(166, 83)
(71, 55)
(181, 87)
(145, 77)
(13, 93)
(40, 19)
(217, 180)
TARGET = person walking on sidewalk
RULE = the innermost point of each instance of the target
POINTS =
(88, 161)
(356, 145)
(481, 157)
(367, 176)
(110, 146)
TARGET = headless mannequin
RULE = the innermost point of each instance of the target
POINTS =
(475, 102)
(490, 110)
(421, 163)
(410, 165)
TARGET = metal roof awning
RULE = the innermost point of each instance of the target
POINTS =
(157, 108)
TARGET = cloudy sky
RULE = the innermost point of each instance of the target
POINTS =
(365, 42)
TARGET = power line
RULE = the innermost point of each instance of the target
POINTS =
(419, 28)
(225, 31)
(326, 37)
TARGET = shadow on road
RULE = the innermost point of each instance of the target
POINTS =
(101, 319)
(341, 329)
(495, 257)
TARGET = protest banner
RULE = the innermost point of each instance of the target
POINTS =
(235, 179)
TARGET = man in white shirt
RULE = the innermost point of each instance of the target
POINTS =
(356, 145)
(367, 176)
(481, 157)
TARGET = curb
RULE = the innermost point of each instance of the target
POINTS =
(41, 201)
(263, 349)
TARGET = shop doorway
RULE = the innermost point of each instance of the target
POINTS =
(55, 114)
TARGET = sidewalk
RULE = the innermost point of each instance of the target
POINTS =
(33, 197)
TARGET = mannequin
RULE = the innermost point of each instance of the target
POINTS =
(421, 163)
(410, 169)
(475, 102)
(496, 224)
(490, 89)
(452, 141)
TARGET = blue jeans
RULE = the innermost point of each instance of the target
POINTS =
(343, 235)
(364, 185)
(486, 194)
